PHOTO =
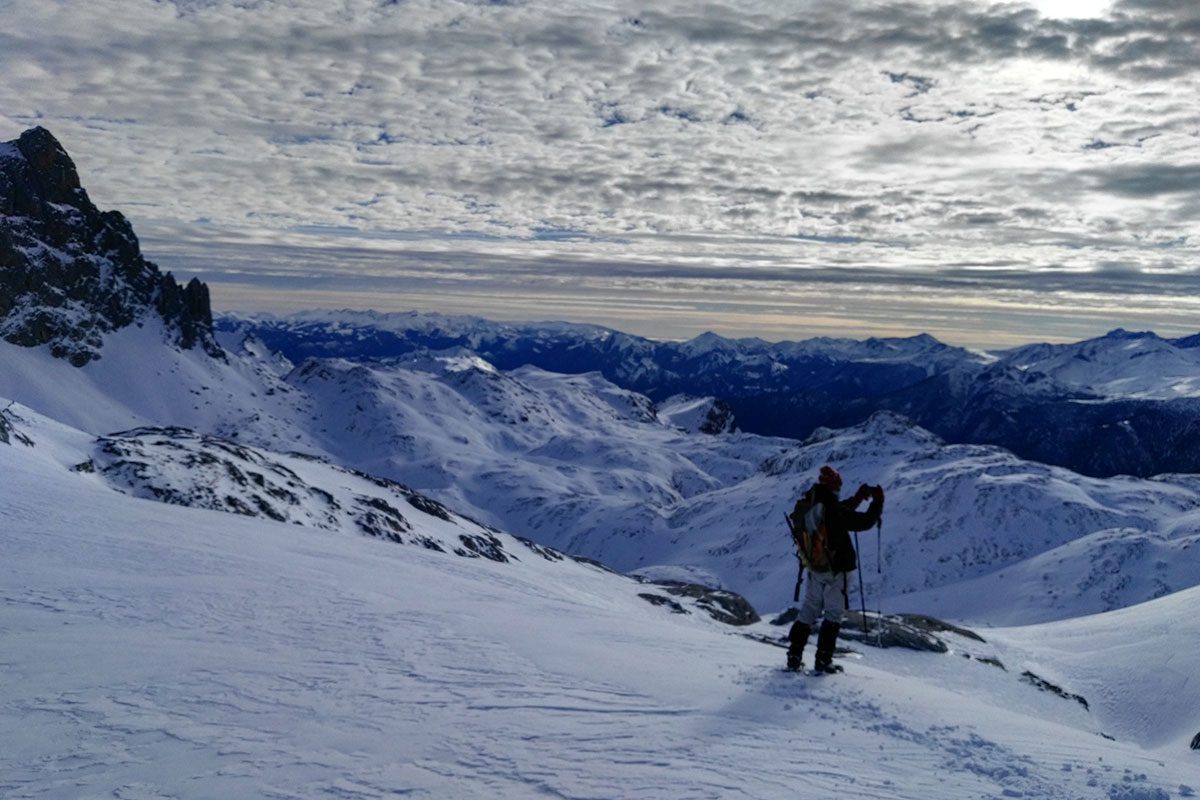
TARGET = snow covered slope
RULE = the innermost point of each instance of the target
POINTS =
(1137, 666)
(180, 467)
(155, 651)
(140, 381)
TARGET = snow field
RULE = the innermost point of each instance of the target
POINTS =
(154, 651)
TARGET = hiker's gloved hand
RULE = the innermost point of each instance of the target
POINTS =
(863, 493)
(877, 494)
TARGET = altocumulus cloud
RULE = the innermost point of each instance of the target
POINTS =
(781, 169)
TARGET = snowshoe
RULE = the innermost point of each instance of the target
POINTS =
(828, 668)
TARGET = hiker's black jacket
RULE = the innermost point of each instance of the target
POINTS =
(840, 520)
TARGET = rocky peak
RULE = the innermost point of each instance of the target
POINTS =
(52, 172)
(1120, 334)
(70, 273)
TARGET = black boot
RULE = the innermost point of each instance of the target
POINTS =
(826, 641)
(798, 636)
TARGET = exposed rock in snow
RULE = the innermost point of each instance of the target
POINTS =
(1047, 686)
(909, 631)
(181, 467)
(721, 604)
(10, 431)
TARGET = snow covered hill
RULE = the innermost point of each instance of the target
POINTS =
(180, 467)
(139, 381)
(154, 650)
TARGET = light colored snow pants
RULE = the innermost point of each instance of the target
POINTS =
(826, 592)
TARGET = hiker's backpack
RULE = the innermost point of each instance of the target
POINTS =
(807, 522)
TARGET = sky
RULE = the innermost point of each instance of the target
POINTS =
(990, 173)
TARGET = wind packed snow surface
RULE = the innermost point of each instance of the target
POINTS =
(159, 651)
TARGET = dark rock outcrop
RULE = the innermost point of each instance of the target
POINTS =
(9, 431)
(720, 604)
(69, 273)
(1047, 686)
(665, 602)
(719, 419)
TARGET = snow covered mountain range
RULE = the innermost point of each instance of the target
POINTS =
(1121, 404)
(542, 592)
(578, 464)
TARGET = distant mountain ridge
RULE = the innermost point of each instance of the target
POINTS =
(1124, 403)
(70, 273)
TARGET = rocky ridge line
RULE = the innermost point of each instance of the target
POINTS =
(70, 273)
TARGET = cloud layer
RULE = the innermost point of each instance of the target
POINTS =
(973, 170)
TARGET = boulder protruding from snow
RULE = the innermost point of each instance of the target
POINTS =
(721, 604)
(70, 273)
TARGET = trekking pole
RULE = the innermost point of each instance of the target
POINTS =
(879, 571)
(799, 561)
(862, 595)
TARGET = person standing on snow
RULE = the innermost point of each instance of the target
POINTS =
(829, 556)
